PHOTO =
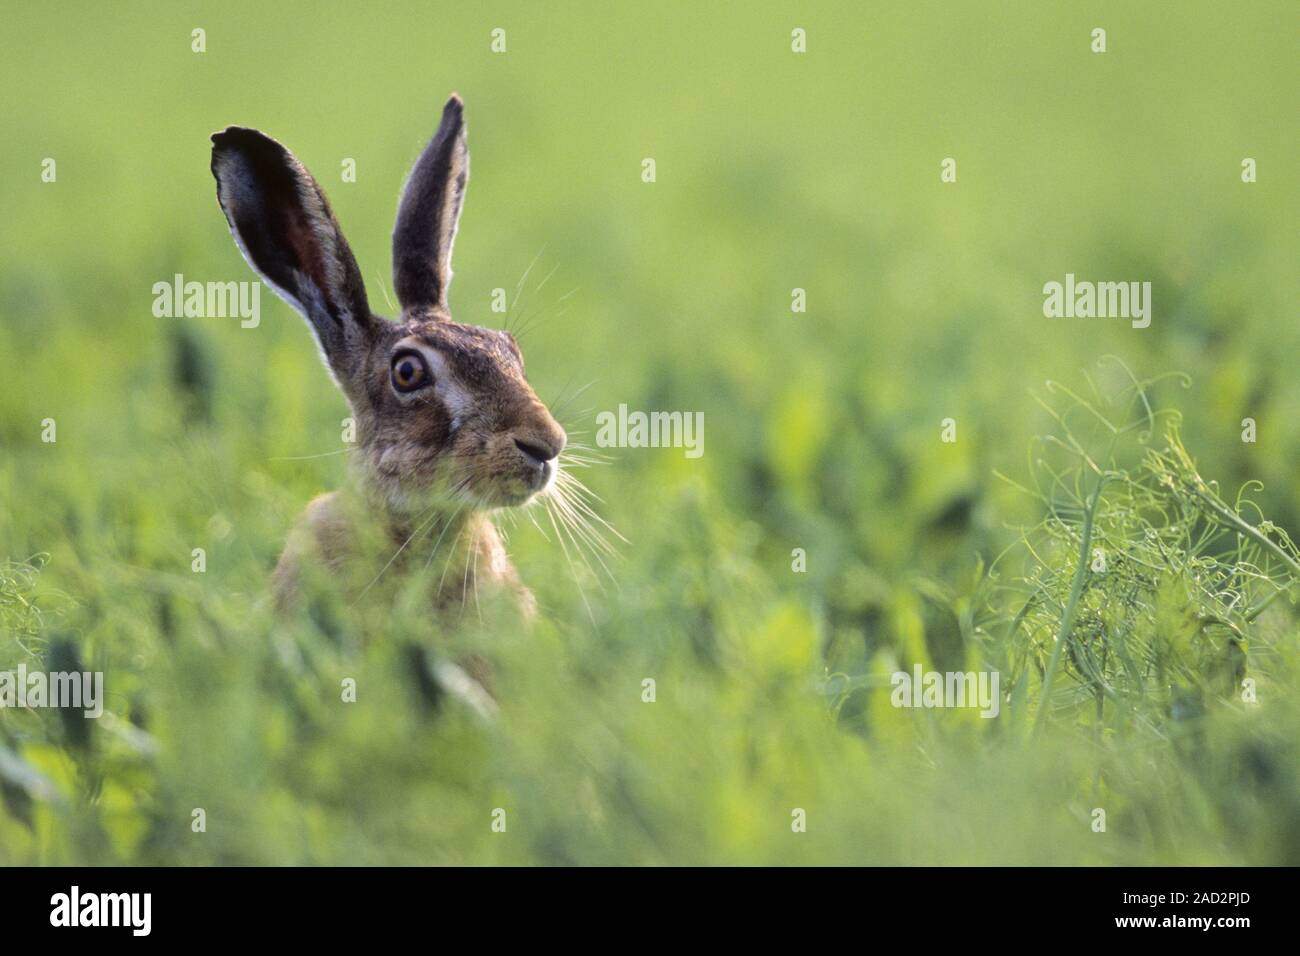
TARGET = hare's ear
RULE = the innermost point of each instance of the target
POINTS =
(429, 213)
(285, 229)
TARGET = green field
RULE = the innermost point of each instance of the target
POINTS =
(1172, 700)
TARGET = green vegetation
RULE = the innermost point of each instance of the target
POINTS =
(775, 171)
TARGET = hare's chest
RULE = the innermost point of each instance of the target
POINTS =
(486, 574)
(460, 565)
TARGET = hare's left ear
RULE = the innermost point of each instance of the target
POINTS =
(283, 225)
(429, 213)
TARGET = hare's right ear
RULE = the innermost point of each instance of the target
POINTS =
(285, 229)
(428, 214)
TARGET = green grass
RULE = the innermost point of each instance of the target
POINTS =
(775, 171)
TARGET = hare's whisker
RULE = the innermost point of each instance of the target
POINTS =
(537, 315)
(464, 582)
(383, 287)
(450, 521)
(593, 543)
(572, 506)
(580, 528)
(559, 406)
(516, 301)
(324, 454)
(477, 607)
(451, 551)
(433, 517)
(532, 516)
(573, 570)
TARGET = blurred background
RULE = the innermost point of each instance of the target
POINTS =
(774, 171)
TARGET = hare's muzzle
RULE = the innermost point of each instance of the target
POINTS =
(538, 450)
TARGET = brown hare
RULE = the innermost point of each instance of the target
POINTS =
(447, 426)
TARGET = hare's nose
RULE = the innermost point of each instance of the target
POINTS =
(538, 452)
(540, 440)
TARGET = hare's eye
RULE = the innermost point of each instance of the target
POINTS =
(410, 372)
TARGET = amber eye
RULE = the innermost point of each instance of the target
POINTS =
(410, 372)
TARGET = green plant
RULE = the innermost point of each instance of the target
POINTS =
(1137, 593)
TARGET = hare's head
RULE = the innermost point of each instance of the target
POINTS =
(442, 409)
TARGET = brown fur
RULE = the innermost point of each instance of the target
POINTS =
(431, 463)
(471, 548)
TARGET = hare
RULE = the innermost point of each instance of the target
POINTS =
(447, 426)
